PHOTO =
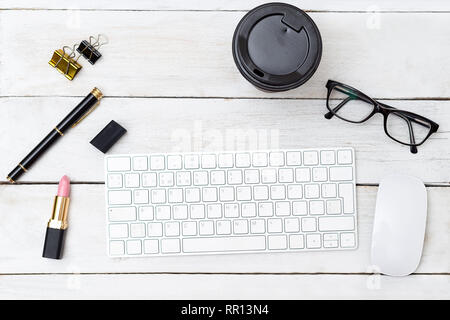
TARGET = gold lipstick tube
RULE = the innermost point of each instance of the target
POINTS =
(54, 237)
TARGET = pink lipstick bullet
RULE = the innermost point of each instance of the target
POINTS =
(54, 237)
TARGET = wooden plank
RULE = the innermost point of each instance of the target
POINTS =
(189, 54)
(126, 286)
(26, 208)
(326, 5)
(172, 125)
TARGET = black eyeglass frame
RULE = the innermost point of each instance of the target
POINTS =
(382, 108)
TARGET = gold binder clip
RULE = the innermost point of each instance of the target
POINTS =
(65, 63)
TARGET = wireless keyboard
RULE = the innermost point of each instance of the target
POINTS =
(231, 202)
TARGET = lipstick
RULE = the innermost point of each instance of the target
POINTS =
(57, 225)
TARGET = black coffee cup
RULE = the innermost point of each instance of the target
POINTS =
(277, 47)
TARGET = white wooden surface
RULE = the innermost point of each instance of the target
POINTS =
(169, 78)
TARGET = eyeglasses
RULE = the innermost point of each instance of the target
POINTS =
(350, 104)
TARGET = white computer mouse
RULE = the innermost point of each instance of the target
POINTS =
(399, 225)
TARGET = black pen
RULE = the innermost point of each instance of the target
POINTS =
(83, 109)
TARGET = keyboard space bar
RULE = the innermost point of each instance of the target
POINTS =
(224, 244)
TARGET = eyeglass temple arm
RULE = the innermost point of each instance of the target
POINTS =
(405, 117)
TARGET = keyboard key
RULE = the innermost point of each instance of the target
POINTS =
(189, 228)
(309, 224)
(260, 159)
(341, 173)
(166, 179)
(330, 236)
(334, 206)
(137, 230)
(260, 192)
(327, 157)
(310, 158)
(151, 246)
(244, 193)
(231, 210)
(248, 210)
(141, 196)
(348, 240)
(257, 226)
(234, 177)
(162, 212)
(197, 211)
(329, 190)
(302, 174)
(336, 223)
(119, 197)
(217, 177)
(313, 241)
(274, 225)
(251, 176)
(191, 161)
(286, 175)
(170, 246)
(172, 229)
(265, 209)
(157, 162)
(344, 156)
(299, 208)
(291, 225)
(116, 248)
(277, 192)
(312, 191)
(175, 195)
(118, 230)
(140, 163)
(149, 179)
(223, 227)
(118, 164)
(214, 210)
(242, 160)
(134, 247)
(346, 192)
(293, 158)
(226, 160)
(201, 178)
(296, 241)
(115, 180)
(206, 227)
(330, 243)
(269, 175)
(316, 207)
(146, 213)
(226, 193)
(122, 214)
(277, 242)
(240, 226)
(294, 191)
(221, 244)
(174, 162)
(180, 212)
(208, 161)
(158, 196)
(276, 159)
(132, 180)
(183, 178)
(282, 208)
(209, 194)
(320, 174)
(192, 195)
(154, 229)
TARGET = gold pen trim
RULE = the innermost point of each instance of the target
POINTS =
(24, 169)
(57, 130)
(10, 180)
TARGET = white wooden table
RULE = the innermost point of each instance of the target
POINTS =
(168, 76)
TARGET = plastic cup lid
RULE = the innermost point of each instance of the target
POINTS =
(277, 47)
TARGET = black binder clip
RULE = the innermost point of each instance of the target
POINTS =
(89, 49)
